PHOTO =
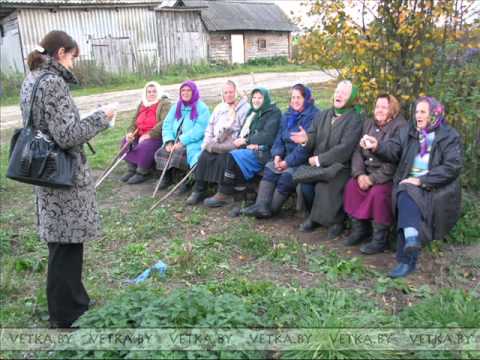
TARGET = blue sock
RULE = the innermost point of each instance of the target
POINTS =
(410, 232)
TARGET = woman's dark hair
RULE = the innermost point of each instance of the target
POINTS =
(300, 88)
(51, 43)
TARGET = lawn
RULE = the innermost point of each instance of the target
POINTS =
(232, 272)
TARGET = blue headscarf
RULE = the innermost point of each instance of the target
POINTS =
(309, 101)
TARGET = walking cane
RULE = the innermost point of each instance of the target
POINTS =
(118, 155)
(164, 171)
(174, 188)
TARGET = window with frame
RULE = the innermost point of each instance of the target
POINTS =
(262, 44)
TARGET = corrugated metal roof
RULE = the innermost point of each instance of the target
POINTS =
(220, 15)
(11, 3)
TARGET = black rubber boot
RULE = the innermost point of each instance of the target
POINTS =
(132, 169)
(166, 181)
(277, 202)
(139, 177)
(379, 241)
(360, 231)
(262, 207)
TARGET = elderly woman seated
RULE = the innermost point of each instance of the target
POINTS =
(252, 146)
(145, 133)
(223, 129)
(331, 140)
(183, 131)
(368, 193)
(277, 182)
(426, 185)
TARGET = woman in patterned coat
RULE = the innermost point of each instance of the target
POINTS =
(66, 217)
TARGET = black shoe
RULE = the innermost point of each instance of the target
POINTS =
(402, 270)
(335, 231)
(307, 226)
(195, 197)
(217, 200)
(136, 179)
(127, 176)
(360, 231)
(165, 183)
(183, 189)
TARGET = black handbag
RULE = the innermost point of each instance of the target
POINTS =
(36, 159)
(313, 174)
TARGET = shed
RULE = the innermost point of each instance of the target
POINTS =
(224, 31)
(120, 34)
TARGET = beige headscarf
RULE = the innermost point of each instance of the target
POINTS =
(161, 94)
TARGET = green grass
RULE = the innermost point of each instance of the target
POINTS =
(226, 272)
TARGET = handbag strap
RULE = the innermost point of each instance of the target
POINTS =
(32, 97)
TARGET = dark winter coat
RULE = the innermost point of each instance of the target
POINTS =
(366, 162)
(284, 147)
(334, 144)
(64, 215)
(263, 132)
(439, 197)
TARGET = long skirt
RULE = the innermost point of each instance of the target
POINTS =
(211, 167)
(374, 204)
(67, 298)
(248, 162)
(142, 154)
(177, 161)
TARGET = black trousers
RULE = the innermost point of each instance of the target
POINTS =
(66, 296)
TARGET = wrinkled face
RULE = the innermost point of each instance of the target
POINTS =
(257, 100)
(297, 100)
(66, 58)
(422, 115)
(151, 93)
(229, 94)
(186, 94)
(381, 112)
(341, 95)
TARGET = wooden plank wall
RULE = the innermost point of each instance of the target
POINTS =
(277, 44)
(220, 47)
(182, 38)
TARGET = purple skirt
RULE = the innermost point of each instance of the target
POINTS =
(142, 154)
(375, 203)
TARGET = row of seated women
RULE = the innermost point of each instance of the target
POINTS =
(380, 172)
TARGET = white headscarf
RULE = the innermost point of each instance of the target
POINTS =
(161, 94)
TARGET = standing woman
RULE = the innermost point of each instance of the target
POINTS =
(145, 133)
(367, 197)
(66, 217)
(426, 186)
(331, 139)
(277, 182)
(222, 131)
(182, 131)
(252, 146)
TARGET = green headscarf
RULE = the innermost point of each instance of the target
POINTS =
(267, 102)
(350, 102)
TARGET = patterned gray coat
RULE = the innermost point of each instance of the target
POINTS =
(64, 215)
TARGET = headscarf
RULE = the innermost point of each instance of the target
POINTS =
(309, 101)
(437, 118)
(351, 99)
(160, 93)
(254, 114)
(192, 103)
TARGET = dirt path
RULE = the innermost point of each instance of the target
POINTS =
(10, 116)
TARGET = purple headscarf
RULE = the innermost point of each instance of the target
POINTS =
(192, 103)
(437, 113)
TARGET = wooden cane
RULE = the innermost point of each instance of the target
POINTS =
(110, 170)
(114, 161)
(164, 171)
(174, 188)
